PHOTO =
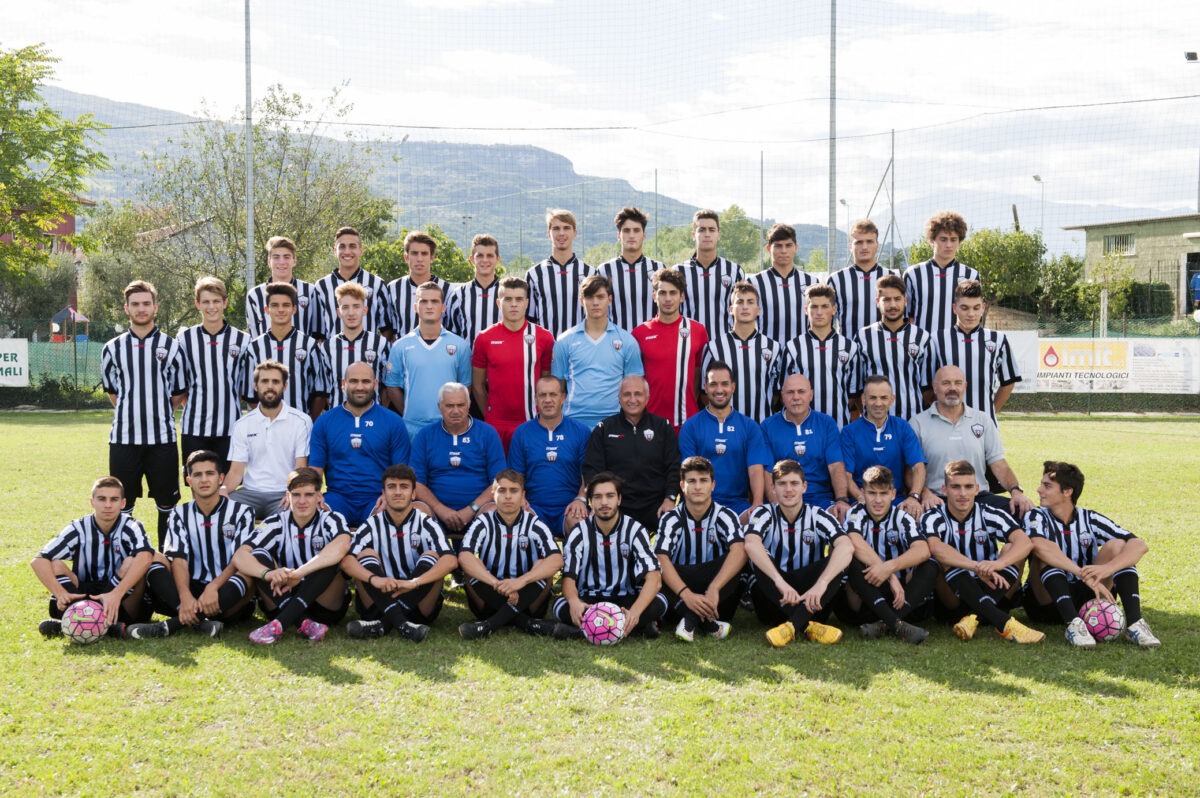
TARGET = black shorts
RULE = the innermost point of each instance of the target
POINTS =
(238, 615)
(158, 463)
(1047, 613)
(375, 613)
(196, 443)
(329, 616)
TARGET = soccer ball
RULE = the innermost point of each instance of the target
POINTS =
(603, 624)
(83, 622)
(1104, 619)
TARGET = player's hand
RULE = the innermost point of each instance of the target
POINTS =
(632, 619)
(1020, 504)
(67, 599)
(577, 609)
(189, 610)
(279, 580)
(878, 573)
(931, 500)
(697, 603)
(788, 595)
(286, 501)
(839, 510)
(388, 585)
(1094, 573)
(509, 588)
(446, 516)
(208, 601)
(912, 507)
(744, 518)
(985, 567)
(897, 592)
(667, 506)
(712, 600)
(378, 506)
(112, 605)
(812, 597)
(1099, 588)
(576, 511)
(465, 516)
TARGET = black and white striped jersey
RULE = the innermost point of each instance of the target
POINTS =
(400, 546)
(977, 537)
(402, 303)
(856, 293)
(143, 373)
(890, 536)
(508, 551)
(214, 387)
(709, 288)
(793, 545)
(94, 555)
(379, 303)
(290, 545)
(985, 358)
(694, 541)
(207, 542)
(782, 300)
(341, 353)
(633, 290)
(471, 308)
(554, 295)
(309, 315)
(308, 367)
(609, 564)
(757, 363)
(831, 365)
(905, 356)
(1080, 538)
(930, 290)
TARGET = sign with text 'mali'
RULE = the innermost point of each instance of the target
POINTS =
(14, 362)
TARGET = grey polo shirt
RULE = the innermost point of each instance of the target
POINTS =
(973, 438)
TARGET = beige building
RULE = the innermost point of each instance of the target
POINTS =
(1164, 249)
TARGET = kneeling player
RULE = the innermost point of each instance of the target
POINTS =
(294, 556)
(510, 558)
(794, 580)
(398, 559)
(963, 536)
(607, 557)
(892, 576)
(194, 580)
(701, 553)
(1066, 569)
(110, 554)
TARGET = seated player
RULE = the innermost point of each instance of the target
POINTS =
(795, 580)
(963, 536)
(194, 581)
(510, 558)
(294, 556)
(109, 554)
(398, 559)
(607, 557)
(1066, 570)
(701, 553)
(892, 576)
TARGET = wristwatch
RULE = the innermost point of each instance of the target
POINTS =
(475, 508)
(915, 496)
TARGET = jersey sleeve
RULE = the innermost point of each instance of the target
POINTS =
(833, 444)
(849, 451)
(542, 540)
(62, 546)
(668, 526)
(1006, 364)
(545, 351)
(572, 551)
(757, 450)
(300, 447)
(395, 377)
(993, 449)
(1106, 529)
(239, 451)
(401, 445)
(318, 454)
(631, 355)
(496, 461)
(110, 371)
(560, 359)
(462, 363)
(135, 537)
(181, 370)
(175, 542)
(910, 444)
(419, 456)
(644, 559)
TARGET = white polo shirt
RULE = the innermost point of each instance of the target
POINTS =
(269, 448)
(973, 438)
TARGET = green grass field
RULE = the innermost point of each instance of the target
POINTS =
(510, 714)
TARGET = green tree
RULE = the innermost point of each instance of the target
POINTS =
(36, 295)
(1115, 274)
(44, 160)
(740, 238)
(386, 258)
(816, 261)
(1008, 261)
(1058, 286)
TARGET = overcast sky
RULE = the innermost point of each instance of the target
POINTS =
(975, 91)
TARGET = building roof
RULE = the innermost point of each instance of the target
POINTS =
(1192, 217)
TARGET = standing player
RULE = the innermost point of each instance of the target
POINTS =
(811, 438)
(473, 307)
(593, 356)
(879, 438)
(293, 558)
(709, 277)
(193, 581)
(308, 368)
(348, 249)
(931, 284)
(732, 442)
(508, 360)
(556, 282)
(897, 350)
(782, 287)
(424, 360)
(510, 558)
(630, 272)
(109, 554)
(984, 355)
(607, 557)
(548, 452)
(354, 344)
(145, 376)
(828, 358)
(211, 351)
(755, 360)
(308, 317)
(701, 553)
(963, 536)
(267, 444)
(857, 284)
(399, 559)
(353, 444)
(795, 580)
(419, 251)
(1078, 554)
(892, 576)
(671, 346)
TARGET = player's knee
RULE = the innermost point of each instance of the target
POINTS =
(1110, 550)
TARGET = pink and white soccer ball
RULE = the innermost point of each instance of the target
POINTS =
(83, 622)
(603, 624)
(1104, 619)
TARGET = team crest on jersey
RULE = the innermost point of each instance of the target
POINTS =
(229, 531)
(455, 460)
(552, 455)
(303, 301)
(369, 355)
(625, 549)
(843, 357)
(234, 350)
(1085, 540)
(318, 543)
(161, 353)
(301, 354)
(892, 537)
(799, 447)
(617, 344)
(451, 349)
(726, 281)
(981, 536)
(529, 336)
(913, 350)
(355, 441)
(523, 542)
(809, 538)
(720, 448)
(712, 536)
(684, 332)
(648, 434)
(990, 346)
(766, 357)
(415, 542)
(977, 430)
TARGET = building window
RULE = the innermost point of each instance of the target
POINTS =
(1122, 244)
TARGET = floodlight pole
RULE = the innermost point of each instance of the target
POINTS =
(831, 235)
(249, 136)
